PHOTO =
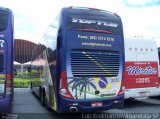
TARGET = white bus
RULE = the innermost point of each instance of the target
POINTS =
(141, 68)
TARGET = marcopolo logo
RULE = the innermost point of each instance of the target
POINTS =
(136, 70)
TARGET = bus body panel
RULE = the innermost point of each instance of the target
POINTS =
(141, 68)
(6, 49)
(3, 50)
(89, 105)
(142, 93)
(6, 103)
(80, 56)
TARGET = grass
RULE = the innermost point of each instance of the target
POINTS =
(21, 83)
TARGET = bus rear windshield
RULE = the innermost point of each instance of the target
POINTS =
(3, 20)
(94, 21)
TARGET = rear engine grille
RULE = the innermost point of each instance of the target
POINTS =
(94, 64)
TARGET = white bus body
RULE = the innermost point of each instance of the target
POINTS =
(141, 68)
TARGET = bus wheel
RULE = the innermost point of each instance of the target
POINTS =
(47, 105)
(31, 85)
(42, 97)
(122, 105)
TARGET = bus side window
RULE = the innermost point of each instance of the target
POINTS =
(1, 62)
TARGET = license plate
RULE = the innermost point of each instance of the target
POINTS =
(96, 104)
(143, 94)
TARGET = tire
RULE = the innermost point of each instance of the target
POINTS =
(47, 105)
(122, 105)
(31, 85)
(41, 96)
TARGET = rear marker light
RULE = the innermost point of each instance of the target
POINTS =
(64, 91)
(8, 84)
(116, 14)
(123, 88)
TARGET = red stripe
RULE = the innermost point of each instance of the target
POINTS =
(9, 77)
(95, 30)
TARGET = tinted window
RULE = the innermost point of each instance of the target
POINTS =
(37, 51)
(91, 19)
(1, 62)
(3, 20)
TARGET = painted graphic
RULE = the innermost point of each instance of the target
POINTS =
(141, 74)
(1, 88)
(90, 88)
(1, 43)
(103, 83)
(97, 22)
(1, 35)
(137, 70)
(2, 77)
(81, 85)
(2, 81)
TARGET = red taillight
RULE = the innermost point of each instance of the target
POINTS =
(94, 9)
(95, 30)
(9, 84)
(116, 14)
(64, 86)
(121, 91)
(70, 7)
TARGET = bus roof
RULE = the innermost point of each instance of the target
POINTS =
(84, 18)
(84, 10)
(5, 9)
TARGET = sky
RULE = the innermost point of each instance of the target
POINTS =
(32, 17)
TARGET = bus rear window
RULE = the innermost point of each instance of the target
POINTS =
(87, 20)
(3, 20)
(1, 62)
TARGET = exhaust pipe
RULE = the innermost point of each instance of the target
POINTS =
(73, 109)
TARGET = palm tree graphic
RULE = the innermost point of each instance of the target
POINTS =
(83, 84)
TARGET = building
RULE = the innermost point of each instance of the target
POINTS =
(22, 54)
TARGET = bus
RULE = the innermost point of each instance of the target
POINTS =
(141, 68)
(6, 59)
(78, 64)
(159, 62)
(159, 54)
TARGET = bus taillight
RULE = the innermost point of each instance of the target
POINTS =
(94, 9)
(121, 91)
(116, 14)
(8, 84)
(64, 86)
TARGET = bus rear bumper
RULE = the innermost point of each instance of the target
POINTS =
(72, 105)
(142, 92)
(6, 104)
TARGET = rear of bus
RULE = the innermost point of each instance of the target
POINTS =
(141, 68)
(91, 60)
(6, 59)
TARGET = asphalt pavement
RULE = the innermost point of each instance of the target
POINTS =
(27, 106)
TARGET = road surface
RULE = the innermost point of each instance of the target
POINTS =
(27, 106)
